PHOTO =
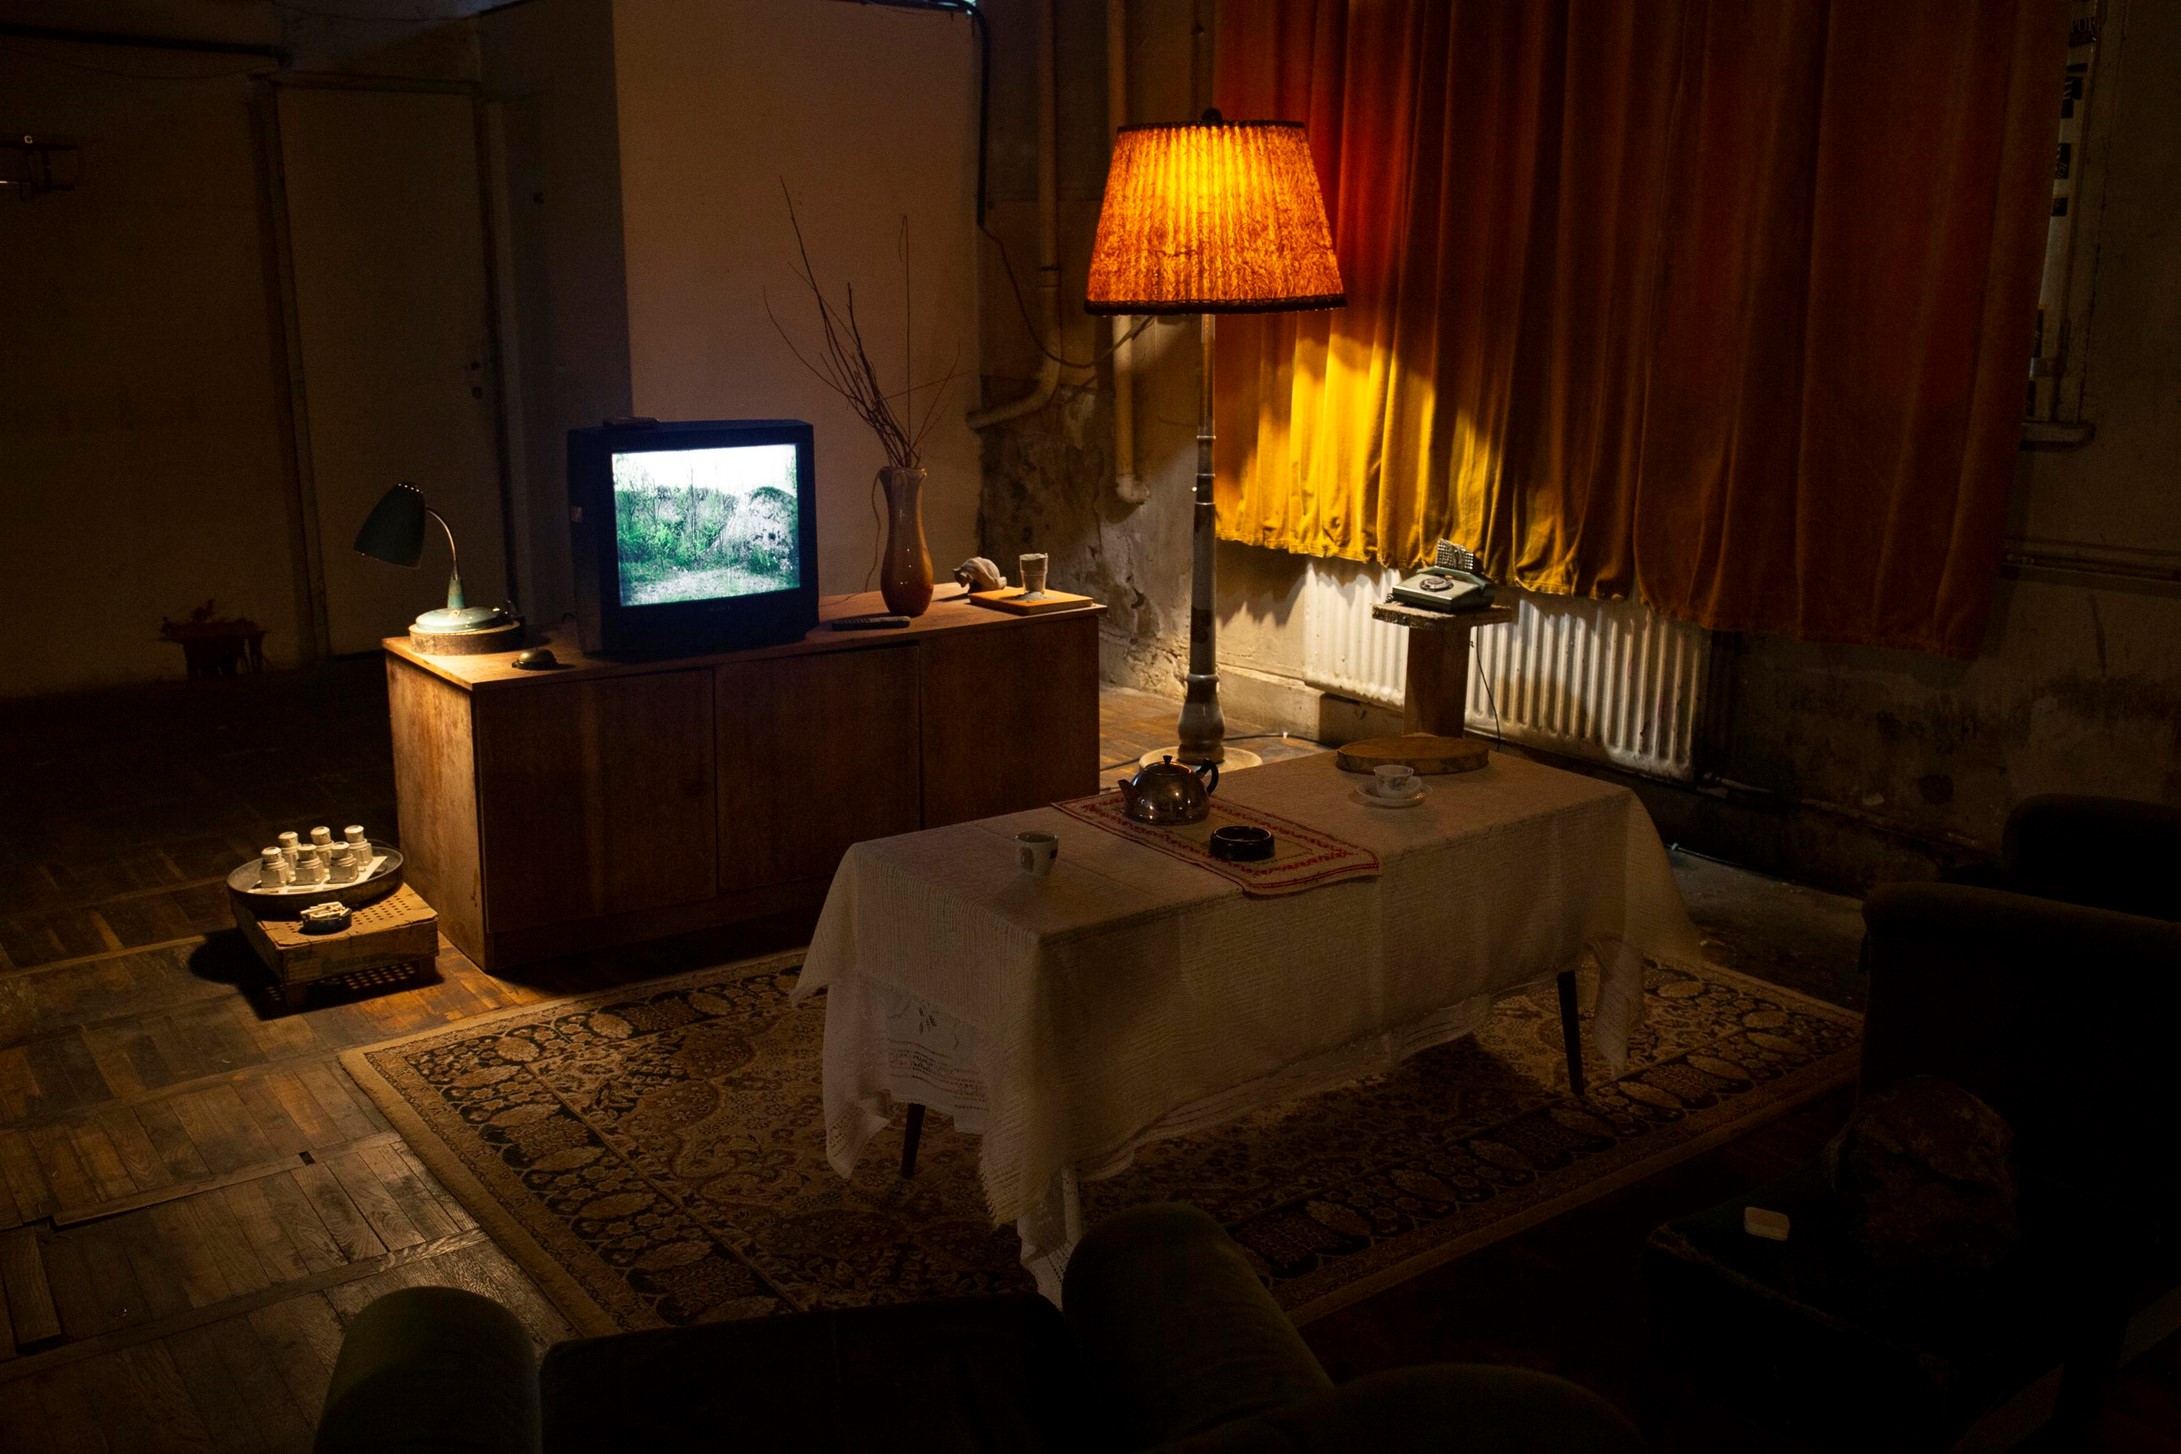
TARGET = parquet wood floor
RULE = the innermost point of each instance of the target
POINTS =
(203, 1193)
(195, 1198)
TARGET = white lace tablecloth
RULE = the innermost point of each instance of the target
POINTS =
(1128, 996)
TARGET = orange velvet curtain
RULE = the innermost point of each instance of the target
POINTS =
(1723, 305)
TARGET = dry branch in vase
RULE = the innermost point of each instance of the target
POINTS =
(844, 365)
(844, 362)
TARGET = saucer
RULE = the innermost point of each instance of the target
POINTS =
(1371, 799)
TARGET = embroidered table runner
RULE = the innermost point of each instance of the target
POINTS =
(1302, 857)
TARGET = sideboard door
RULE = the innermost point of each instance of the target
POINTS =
(816, 752)
(1010, 718)
(596, 797)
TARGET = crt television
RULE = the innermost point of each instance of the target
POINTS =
(693, 537)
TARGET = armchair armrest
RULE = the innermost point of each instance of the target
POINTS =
(2109, 853)
(432, 1369)
(1177, 1334)
(2056, 1014)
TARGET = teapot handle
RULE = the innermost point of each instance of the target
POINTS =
(1212, 768)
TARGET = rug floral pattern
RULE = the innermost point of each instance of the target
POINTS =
(655, 1155)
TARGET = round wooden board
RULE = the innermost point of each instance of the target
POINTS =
(467, 643)
(1429, 755)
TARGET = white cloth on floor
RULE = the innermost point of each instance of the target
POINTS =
(1129, 996)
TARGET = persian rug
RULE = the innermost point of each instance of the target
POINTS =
(655, 1154)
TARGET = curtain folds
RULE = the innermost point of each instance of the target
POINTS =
(1721, 305)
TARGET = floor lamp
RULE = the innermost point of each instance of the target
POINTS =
(1211, 217)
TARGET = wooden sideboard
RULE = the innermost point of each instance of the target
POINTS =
(606, 802)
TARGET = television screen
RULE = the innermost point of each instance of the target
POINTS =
(706, 524)
(693, 536)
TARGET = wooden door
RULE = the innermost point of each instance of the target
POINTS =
(1010, 718)
(820, 752)
(595, 798)
(386, 249)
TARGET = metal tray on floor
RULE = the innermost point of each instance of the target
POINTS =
(288, 902)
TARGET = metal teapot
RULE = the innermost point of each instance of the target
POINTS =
(1169, 792)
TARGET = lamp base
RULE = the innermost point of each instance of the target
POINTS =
(460, 618)
(507, 636)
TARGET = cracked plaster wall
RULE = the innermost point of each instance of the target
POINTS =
(2078, 686)
(1049, 477)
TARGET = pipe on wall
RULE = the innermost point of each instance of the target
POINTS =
(1048, 236)
(1132, 490)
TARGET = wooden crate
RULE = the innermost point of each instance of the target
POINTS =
(399, 931)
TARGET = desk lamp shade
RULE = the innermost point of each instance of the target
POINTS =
(394, 530)
(1213, 217)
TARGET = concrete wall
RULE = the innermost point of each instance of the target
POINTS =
(144, 465)
(141, 463)
(548, 68)
(868, 115)
(1049, 477)
(2078, 687)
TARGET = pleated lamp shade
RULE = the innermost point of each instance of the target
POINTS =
(1213, 217)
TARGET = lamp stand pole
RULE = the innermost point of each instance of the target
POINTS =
(455, 601)
(1203, 726)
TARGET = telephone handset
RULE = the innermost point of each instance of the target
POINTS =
(1454, 581)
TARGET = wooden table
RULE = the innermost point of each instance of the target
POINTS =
(1130, 996)
(398, 932)
(1437, 700)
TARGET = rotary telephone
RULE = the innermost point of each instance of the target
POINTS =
(1452, 582)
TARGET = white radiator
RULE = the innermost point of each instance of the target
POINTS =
(1604, 680)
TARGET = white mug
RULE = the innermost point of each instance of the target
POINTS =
(1396, 780)
(1035, 852)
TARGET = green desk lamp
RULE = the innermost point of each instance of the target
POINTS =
(394, 532)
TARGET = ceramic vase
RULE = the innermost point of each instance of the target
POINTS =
(905, 572)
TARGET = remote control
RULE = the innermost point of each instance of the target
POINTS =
(879, 622)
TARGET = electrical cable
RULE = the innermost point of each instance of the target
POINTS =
(1499, 733)
(983, 32)
(1283, 736)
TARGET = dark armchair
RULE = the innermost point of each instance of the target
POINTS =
(2048, 985)
(1169, 1342)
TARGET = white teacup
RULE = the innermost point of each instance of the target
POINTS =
(1396, 780)
(1035, 852)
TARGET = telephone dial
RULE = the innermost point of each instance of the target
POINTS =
(1452, 582)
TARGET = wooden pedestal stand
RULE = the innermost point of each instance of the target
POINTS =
(1435, 710)
(396, 933)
